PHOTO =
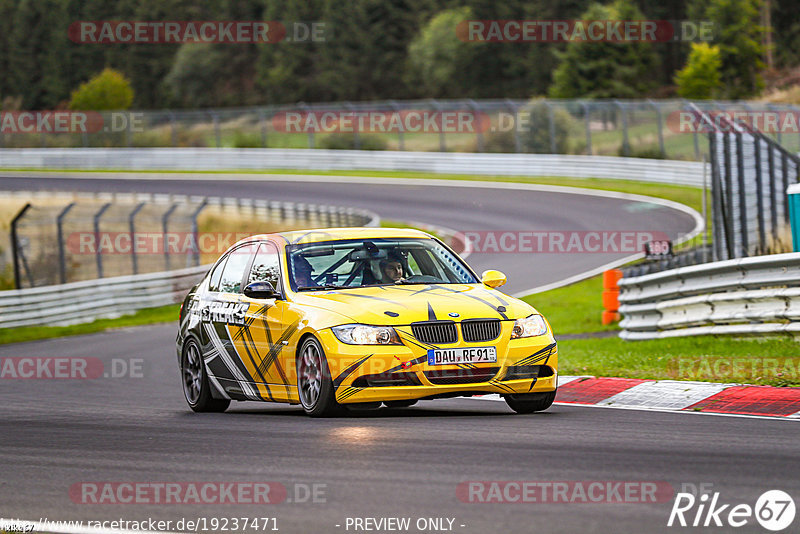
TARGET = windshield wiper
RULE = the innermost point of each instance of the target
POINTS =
(317, 288)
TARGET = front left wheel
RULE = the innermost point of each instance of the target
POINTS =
(530, 402)
(196, 388)
(314, 383)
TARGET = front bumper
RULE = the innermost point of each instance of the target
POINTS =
(352, 367)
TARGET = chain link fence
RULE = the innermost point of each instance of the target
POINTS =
(637, 128)
(71, 238)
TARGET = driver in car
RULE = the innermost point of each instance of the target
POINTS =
(392, 270)
(302, 272)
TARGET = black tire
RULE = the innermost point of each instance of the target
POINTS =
(400, 403)
(196, 389)
(530, 402)
(314, 383)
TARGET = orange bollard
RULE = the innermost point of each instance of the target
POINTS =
(611, 299)
(610, 317)
(611, 295)
(611, 277)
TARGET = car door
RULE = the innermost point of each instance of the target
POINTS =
(224, 315)
(265, 335)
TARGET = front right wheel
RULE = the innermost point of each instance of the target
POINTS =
(530, 402)
(314, 383)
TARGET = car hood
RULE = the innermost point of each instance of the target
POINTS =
(400, 305)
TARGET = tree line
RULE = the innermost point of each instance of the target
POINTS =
(388, 49)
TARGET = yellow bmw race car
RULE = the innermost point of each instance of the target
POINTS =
(356, 317)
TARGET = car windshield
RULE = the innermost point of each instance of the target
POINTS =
(374, 262)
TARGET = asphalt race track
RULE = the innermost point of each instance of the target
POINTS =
(407, 463)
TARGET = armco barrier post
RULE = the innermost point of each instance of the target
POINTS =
(611, 280)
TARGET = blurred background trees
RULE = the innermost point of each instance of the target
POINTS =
(398, 49)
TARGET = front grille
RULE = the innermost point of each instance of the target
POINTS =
(387, 380)
(435, 332)
(461, 376)
(479, 330)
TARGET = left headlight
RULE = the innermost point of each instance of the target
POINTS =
(533, 325)
(363, 334)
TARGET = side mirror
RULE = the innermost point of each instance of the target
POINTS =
(260, 290)
(493, 278)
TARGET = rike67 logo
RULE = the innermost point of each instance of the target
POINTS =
(774, 510)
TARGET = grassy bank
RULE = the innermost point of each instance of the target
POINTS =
(163, 314)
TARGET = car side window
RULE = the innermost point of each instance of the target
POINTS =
(232, 274)
(266, 266)
(213, 283)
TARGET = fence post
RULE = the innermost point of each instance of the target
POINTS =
(517, 141)
(626, 147)
(762, 233)
(552, 120)
(62, 260)
(132, 228)
(586, 113)
(195, 230)
(442, 144)
(303, 106)
(660, 126)
(742, 197)
(165, 229)
(400, 141)
(173, 127)
(96, 224)
(217, 137)
(356, 138)
(474, 107)
(262, 118)
(15, 252)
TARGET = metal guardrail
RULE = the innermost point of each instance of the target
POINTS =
(92, 299)
(755, 295)
(202, 159)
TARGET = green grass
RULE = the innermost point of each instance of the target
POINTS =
(573, 309)
(163, 314)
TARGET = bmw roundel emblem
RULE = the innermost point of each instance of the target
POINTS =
(453, 314)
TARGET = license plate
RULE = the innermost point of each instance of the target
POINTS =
(462, 355)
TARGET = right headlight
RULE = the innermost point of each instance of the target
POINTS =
(362, 334)
(531, 326)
